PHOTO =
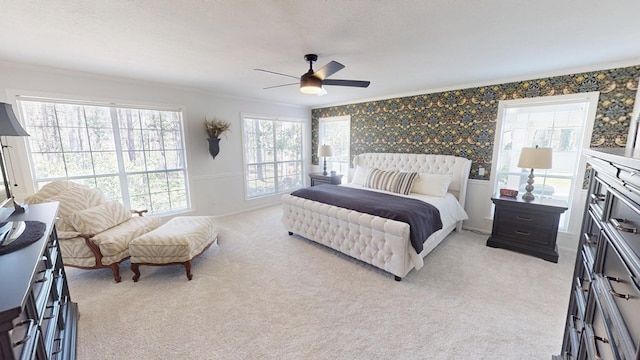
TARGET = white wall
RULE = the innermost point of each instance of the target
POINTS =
(216, 184)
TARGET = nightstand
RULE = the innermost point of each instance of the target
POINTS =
(318, 178)
(529, 227)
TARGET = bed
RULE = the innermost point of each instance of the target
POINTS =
(382, 242)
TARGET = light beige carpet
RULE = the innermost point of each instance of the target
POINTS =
(262, 294)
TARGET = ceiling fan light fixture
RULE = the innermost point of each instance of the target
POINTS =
(310, 85)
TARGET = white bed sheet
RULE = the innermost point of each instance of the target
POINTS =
(450, 209)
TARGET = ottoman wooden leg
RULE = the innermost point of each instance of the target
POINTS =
(136, 272)
(187, 267)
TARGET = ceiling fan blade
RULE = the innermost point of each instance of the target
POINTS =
(276, 86)
(354, 83)
(277, 73)
(328, 70)
(322, 92)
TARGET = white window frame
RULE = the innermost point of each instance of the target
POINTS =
(121, 173)
(245, 164)
(332, 162)
(576, 197)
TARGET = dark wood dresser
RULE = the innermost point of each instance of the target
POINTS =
(38, 320)
(318, 178)
(529, 227)
(603, 318)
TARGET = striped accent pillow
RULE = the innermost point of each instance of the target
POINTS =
(394, 181)
(100, 218)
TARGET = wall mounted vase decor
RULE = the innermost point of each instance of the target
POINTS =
(214, 129)
(214, 146)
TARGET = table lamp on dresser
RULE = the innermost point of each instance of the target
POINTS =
(534, 158)
(9, 126)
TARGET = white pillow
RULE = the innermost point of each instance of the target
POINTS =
(432, 184)
(360, 175)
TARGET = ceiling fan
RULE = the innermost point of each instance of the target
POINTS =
(312, 82)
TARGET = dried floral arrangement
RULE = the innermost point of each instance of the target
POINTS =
(215, 127)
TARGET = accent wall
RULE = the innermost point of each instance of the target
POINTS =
(463, 122)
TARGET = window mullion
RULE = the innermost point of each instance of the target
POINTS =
(122, 176)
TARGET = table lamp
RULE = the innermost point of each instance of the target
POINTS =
(9, 126)
(324, 151)
(534, 158)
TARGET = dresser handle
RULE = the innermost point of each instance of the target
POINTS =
(616, 223)
(597, 197)
(26, 337)
(522, 232)
(575, 320)
(523, 218)
(595, 345)
(612, 278)
(617, 294)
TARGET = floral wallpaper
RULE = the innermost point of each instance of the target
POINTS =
(463, 122)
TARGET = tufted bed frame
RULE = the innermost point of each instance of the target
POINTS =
(380, 242)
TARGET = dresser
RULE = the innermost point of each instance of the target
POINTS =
(38, 320)
(603, 317)
(529, 227)
(318, 178)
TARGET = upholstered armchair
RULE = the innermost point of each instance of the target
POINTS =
(93, 233)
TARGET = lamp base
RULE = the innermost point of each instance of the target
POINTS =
(528, 196)
(18, 208)
(324, 169)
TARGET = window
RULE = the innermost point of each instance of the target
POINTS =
(272, 155)
(335, 131)
(136, 156)
(563, 123)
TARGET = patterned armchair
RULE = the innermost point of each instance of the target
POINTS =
(93, 233)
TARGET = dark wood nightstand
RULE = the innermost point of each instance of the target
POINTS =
(318, 178)
(529, 227)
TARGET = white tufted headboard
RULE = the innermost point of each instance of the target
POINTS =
(458, 167)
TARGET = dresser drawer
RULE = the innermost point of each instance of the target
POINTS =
(621, 282)
(591, 235)
(609, 323)
(598, 195)
(624, 220)
(581, 291)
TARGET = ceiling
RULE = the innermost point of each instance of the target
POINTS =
(402, 47)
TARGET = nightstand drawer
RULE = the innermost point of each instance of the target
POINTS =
(525, 234)
(528, 218)
(319, 178)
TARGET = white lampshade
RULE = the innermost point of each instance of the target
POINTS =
(535, 158)
(325, 150)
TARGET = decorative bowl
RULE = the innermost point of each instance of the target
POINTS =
(508, 192)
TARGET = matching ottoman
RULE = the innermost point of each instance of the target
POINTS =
(177, 241)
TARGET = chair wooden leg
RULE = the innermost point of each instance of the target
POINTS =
(136, 272)
(115, 269)
(187, 267)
